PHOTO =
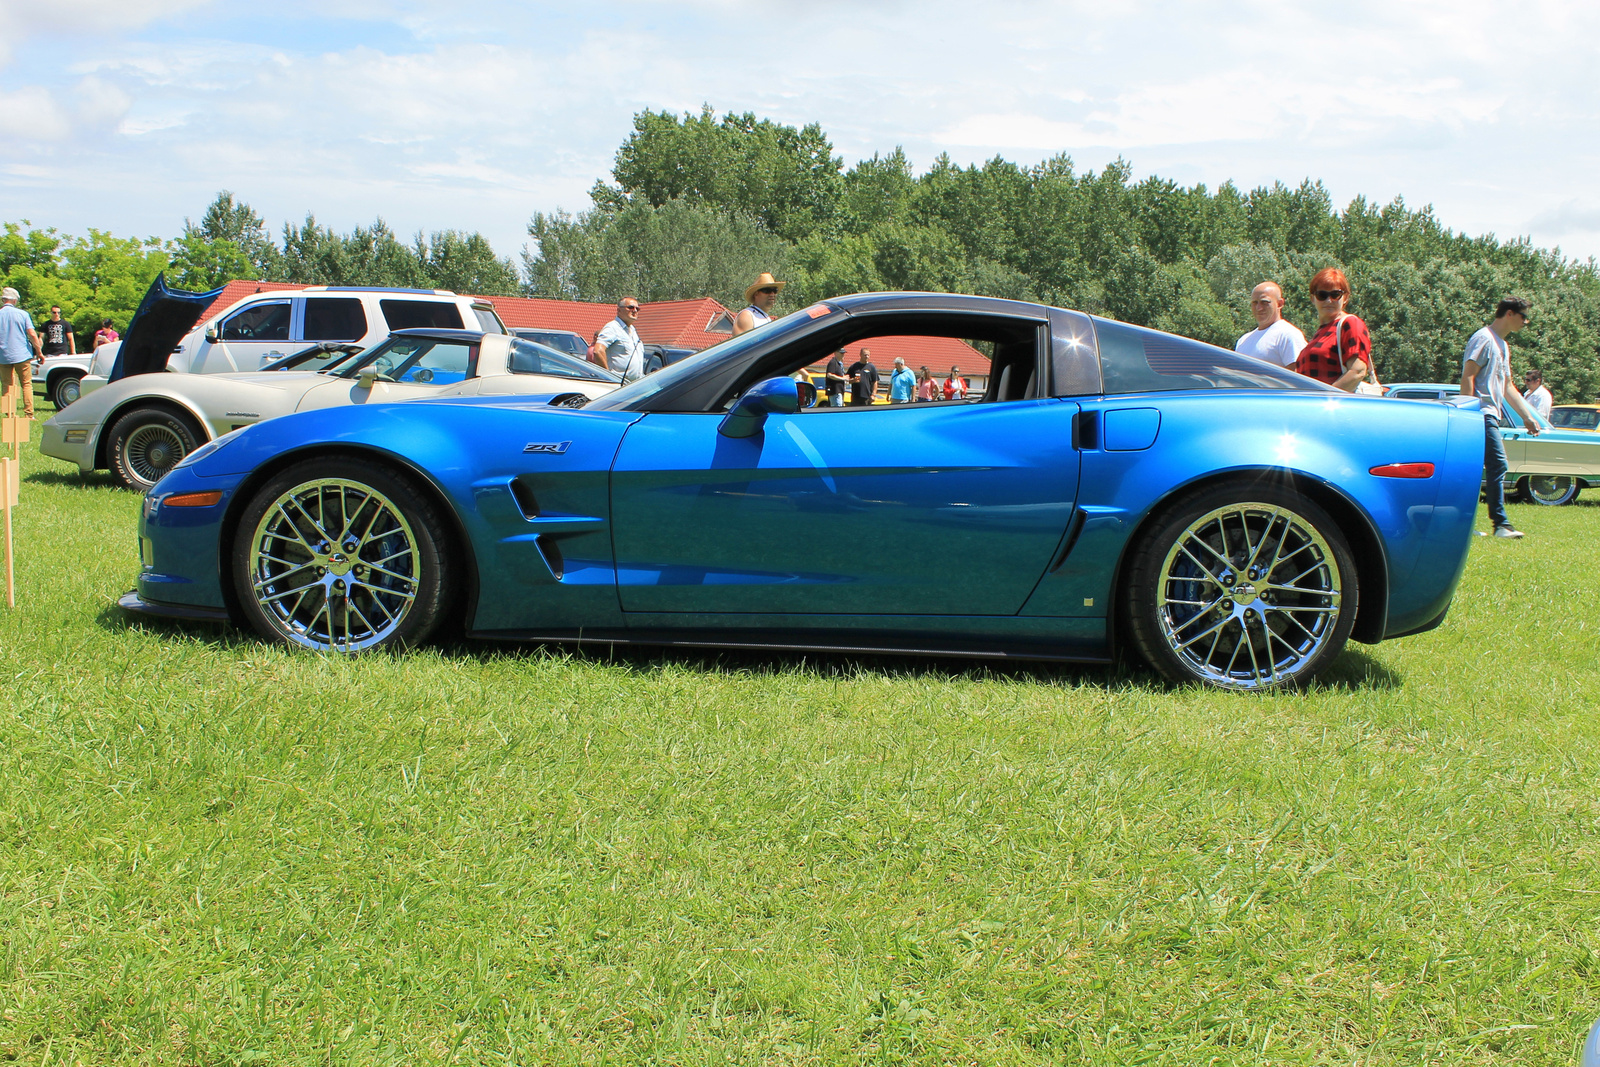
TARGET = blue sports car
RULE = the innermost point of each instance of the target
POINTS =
(1113, 487)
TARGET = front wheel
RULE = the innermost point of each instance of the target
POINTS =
(341, 555)
(1241, 587)
(1551, 490)
(146, 443)
(66, 389)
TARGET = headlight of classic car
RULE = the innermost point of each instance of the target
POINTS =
(206, 449)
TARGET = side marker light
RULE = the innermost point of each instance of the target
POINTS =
(193, 500)
(1402, 470)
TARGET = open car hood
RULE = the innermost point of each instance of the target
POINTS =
(164, 316)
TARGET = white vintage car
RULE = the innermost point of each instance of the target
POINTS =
(140, 426)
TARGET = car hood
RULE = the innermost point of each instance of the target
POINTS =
(163, 317)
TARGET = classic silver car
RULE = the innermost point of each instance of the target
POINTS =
(140, 426)
(1550, 469)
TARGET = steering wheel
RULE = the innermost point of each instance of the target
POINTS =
(383, 365)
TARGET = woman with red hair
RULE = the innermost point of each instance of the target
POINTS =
(1340, 352)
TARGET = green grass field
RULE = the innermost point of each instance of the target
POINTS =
(214, 852)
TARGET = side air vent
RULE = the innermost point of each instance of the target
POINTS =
(568, 400)
(526, 501)
(552, 556)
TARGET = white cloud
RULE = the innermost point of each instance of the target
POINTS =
(476, 114)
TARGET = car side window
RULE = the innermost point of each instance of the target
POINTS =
(416, 314)
(1137, 360)
(442, 364)
(330, 318)
(258, 322)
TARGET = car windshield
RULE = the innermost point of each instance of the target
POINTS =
(322, 359)
(530, 358)
(706, 362)
(436, 360)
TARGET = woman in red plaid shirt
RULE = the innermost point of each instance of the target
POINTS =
(1340, 352)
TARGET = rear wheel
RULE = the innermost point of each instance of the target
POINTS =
(1241, 587)
(65, 389)
(1551, 490)
(146, 443)
(341, 555)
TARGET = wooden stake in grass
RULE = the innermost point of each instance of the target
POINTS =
(13, 432)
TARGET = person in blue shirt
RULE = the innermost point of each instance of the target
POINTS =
(19, 345)
(902, 383)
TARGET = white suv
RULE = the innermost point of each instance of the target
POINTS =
(264, 326)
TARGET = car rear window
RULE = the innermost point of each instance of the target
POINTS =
(1136, 360)
(412, 314)
(334, 319)
(528, 357)
(1575, 418)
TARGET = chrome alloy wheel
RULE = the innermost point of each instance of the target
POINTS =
(333, 565)
(1551, 490)
(151, 450)
(1249, 594)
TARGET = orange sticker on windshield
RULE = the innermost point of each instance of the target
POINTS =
(816, 311)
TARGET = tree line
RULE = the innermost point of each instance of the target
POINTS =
(1150, 252)
(697, 204)
(99, 276)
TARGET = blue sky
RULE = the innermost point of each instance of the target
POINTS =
(129, 115)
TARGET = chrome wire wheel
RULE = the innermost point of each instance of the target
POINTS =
(1249, 595)
(334, 565)
(151, 451)
(1551, 490)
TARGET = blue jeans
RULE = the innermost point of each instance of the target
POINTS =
(1494, 471)
(836, 400)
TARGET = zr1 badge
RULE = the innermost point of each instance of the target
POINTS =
(554, 448)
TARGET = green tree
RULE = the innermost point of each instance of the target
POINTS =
(679, 250)
(89, 278)
(786, 178)
(465, 263)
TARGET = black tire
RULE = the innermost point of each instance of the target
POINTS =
(146, 443)
(386, 584)
(1549, 490)
(65, 388)
(1204, 602)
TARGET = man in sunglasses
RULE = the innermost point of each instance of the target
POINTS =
(620, 340)
(1486, 374)
(1275, 339)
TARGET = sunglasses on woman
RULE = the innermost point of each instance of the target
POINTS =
(1328, 294)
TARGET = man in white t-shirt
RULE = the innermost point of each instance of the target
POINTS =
(1486, 374)
(1275, 339)
(1537, 396)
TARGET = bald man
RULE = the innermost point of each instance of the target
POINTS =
(1275, 339)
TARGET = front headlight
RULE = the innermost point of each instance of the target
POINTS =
(207, 449)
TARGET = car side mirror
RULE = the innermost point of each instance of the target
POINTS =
(211, 336)
(775, 396)
(366, 378)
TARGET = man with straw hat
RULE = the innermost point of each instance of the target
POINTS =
(760, 296)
